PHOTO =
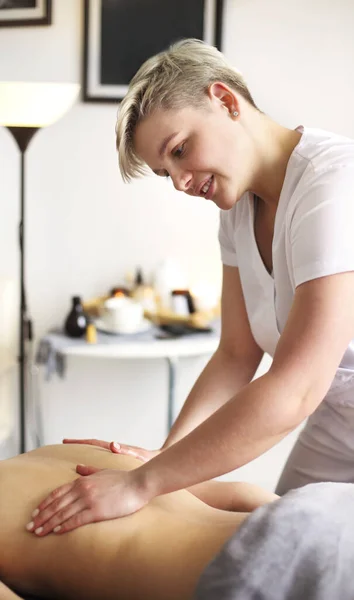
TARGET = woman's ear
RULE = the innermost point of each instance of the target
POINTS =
(223, 95)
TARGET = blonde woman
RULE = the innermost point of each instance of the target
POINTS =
(286, 200)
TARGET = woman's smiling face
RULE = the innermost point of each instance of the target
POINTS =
(200, 149)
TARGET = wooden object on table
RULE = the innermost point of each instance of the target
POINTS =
(94, 306)
(197, 319)
(162, 316)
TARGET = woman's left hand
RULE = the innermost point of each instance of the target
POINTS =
(117, 448)
(104, 494)
(112, 446)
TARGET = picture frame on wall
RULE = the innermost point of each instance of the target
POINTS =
(20, 13)
(119, 35)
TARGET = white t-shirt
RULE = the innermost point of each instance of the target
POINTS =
(313, 235)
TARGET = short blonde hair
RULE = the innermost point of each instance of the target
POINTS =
(178, 77)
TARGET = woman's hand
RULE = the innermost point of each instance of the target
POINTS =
(135, 451)
(102, 495)
(112, 446)
(115, 447)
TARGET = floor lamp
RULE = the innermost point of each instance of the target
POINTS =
(25, 108)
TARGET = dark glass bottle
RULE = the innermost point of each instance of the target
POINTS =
(76, 321)
(139, 280)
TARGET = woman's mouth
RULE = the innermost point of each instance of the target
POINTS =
(208, 188)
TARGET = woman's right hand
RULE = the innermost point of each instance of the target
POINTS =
(99, 495)
(117, 448)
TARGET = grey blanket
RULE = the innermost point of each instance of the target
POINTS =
(300, 547)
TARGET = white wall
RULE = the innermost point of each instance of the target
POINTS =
(85, 228)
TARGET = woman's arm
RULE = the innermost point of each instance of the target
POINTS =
(231, 367)
(318, 330)
(235, 496)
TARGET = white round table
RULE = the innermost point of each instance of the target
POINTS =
(55, 347)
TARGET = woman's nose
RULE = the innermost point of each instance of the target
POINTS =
(183, 181)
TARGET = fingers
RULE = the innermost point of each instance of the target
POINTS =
(80, 518)
(66, 508)
(55, 495)
(65, 519)
(115, 447)
(86, 470)
(56, 508)
(127, 450)
(107, 494)
(90, 441)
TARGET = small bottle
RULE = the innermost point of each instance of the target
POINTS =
(138, 284)
(182, 302)
(76, 321)
(168, 276)
(142, 293)
(91, 332)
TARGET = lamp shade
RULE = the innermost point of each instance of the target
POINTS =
(24, 104)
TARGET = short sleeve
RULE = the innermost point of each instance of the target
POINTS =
(226, 239)
(321, 229)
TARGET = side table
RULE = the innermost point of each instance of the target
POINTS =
(54, 349)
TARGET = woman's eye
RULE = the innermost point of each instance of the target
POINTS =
(179, 151)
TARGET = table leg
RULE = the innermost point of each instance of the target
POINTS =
(172, 367)
(34, 410)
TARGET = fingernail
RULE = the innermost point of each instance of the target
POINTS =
(80, 465)
(30, 526)
(38, 530)
(35, 513)
(116, 445)
(57, 528)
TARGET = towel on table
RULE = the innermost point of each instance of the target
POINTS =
(300, 547)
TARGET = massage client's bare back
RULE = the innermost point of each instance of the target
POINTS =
(156, 553)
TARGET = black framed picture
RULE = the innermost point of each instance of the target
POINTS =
(119, 35)
(19, 13)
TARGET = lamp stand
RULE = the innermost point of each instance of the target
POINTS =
(23, 136)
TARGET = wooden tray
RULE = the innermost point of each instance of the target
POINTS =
(197, 319)
(93, 308)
